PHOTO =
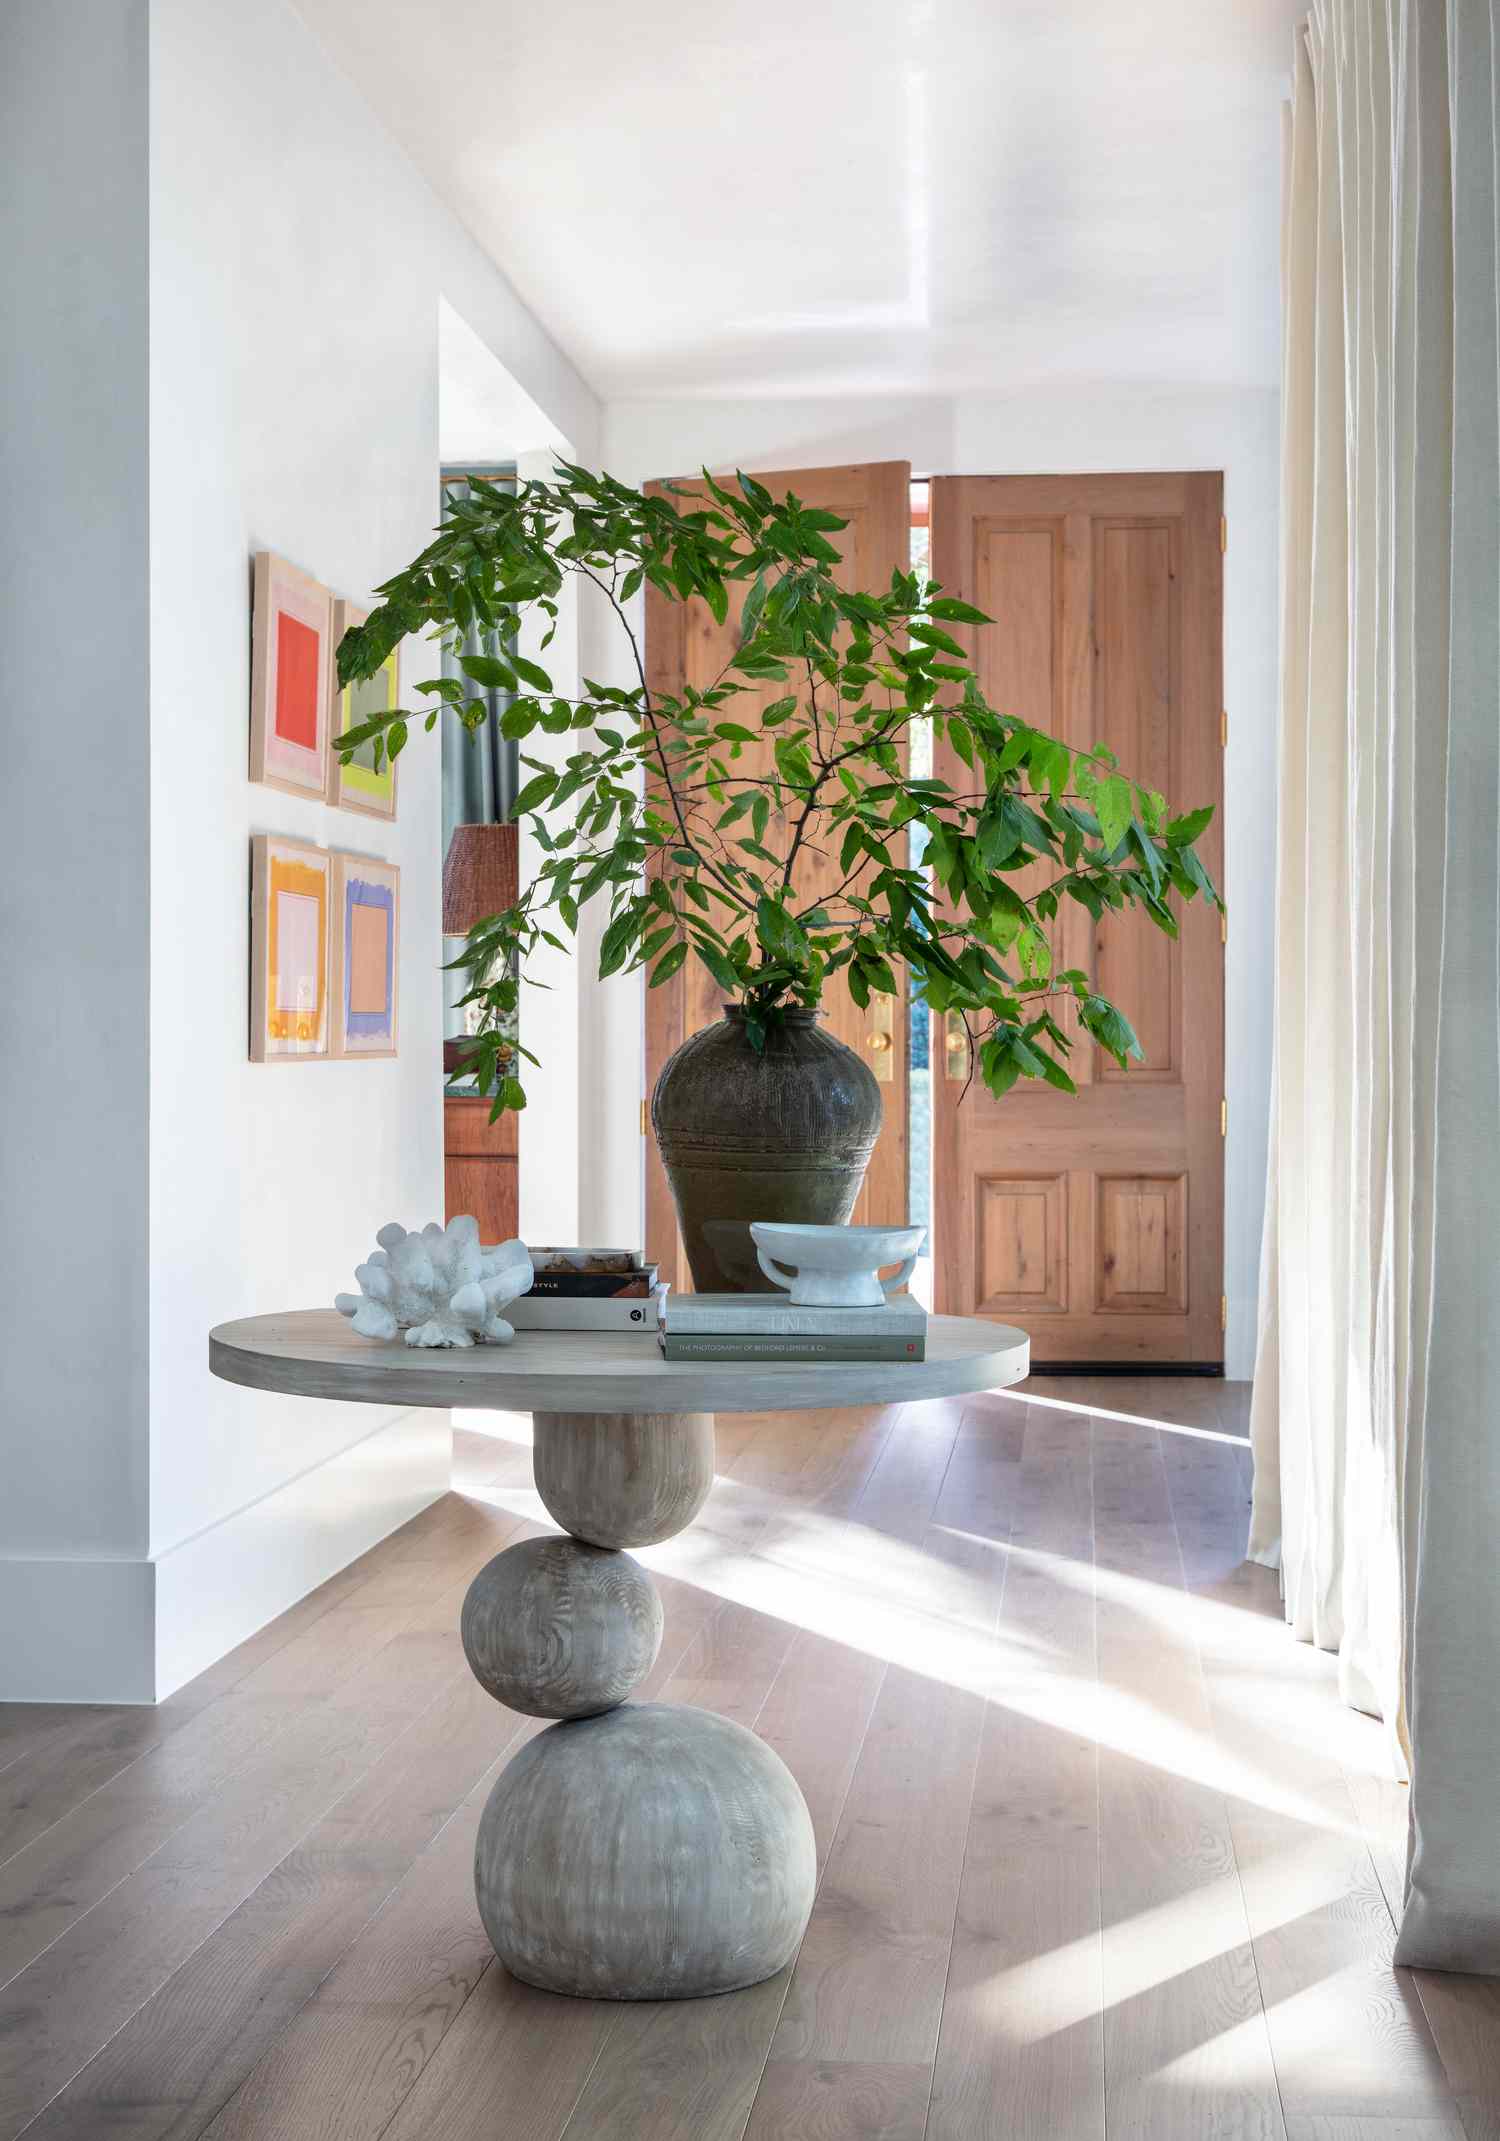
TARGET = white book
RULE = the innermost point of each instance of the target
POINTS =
(564, 1312)
(772, 1315)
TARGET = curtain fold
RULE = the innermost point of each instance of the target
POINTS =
(1376, 1427)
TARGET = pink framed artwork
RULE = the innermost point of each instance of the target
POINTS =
(364, 956)
(291, 626)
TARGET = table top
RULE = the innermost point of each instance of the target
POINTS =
(315, 1353)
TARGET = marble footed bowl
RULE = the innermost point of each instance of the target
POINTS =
(836, 1267)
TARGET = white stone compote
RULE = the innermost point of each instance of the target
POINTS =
(442, 1287)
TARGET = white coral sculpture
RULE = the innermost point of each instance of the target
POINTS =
(441, 1287)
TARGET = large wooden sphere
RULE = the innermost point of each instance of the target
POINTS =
(654, 1853)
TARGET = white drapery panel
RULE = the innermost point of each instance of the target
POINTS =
(1376, 1418)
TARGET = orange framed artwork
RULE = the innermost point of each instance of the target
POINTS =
(364, 956)
(290, 654)
(290, 905)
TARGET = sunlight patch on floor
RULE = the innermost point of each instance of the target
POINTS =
(854, 1600)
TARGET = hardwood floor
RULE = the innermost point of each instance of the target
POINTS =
(1101, 1854)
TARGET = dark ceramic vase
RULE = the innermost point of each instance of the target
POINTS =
(782, 1134)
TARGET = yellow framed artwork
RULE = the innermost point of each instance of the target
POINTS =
(358, 786)
(290, 906)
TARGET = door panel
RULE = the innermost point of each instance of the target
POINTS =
(685, 647)
(1097, 1220)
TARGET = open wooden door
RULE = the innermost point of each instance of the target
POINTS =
(685, 647)
(1097, 1222)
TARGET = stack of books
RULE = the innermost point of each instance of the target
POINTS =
(769, 1327)
(579, 1289)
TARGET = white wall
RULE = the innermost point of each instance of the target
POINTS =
(286, 265)
(73, 803)
(299, 265)
(1068, 429)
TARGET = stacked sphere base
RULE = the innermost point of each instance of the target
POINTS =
(633, 1851)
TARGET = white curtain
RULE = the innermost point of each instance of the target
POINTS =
(1376, 1419)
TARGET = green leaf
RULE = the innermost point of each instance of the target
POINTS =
(668, 964)
(535, 792)
(614, 945)
(484, 669)
(954, 612)
(537, 678)
(718, 965)
(1183, 831)
(1115, 806)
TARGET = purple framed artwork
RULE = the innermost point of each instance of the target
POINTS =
(365, 962)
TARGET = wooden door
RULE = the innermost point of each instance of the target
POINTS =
(1096, 1222)
(685, 647)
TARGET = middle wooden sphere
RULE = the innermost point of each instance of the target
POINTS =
(556, 1628)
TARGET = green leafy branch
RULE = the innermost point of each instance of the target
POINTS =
(690, 813)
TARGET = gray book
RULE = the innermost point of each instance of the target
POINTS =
(741, 1315)
(771, 1346)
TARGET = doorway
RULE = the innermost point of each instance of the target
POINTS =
(1096, 1221)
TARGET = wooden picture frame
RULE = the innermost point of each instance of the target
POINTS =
(291, 903)
(364, 957)
(290, 630)
(358, 786)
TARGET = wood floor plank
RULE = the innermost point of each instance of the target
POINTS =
(345, 2066)
(1314, 2126)
(840, 2100)
(1103, 1853)
(1021, 2045)
(1186, 2049)
(689, 2070)
(868, 1984)
(1464, 2015)
(25, 1725)
(182, 2055)
(90, 1981)
(1348, 2035)
(81, 1857)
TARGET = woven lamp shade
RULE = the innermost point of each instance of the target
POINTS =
(481, 875)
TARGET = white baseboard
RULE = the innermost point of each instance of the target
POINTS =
(216, 1589)
(133, 1631)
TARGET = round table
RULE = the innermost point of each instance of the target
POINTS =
(632, 1850)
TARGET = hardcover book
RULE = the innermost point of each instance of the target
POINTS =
(558, 1312)
(764, 1315)
(595, 1285)
(720, 1345)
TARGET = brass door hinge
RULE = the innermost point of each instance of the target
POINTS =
(1223, 732)
(1223, 929)
(1223, 1312)
(1223, 531)
(1224, 1118)
(643, 1118)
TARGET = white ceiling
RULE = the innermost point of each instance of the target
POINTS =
(714, 197)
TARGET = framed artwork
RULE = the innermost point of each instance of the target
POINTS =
(290, 627)
(365, 956)
(358, 786)
(290, 908)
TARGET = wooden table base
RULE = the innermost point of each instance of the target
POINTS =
(632, 1851)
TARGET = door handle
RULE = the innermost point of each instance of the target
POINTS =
(880, 1038)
